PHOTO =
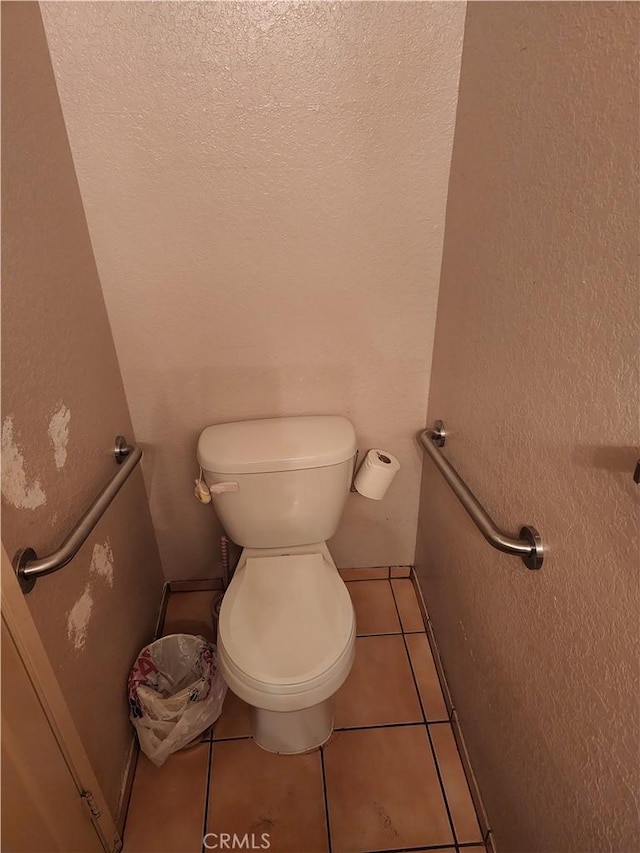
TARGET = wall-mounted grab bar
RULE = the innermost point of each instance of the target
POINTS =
(529, 544)
(29, 567)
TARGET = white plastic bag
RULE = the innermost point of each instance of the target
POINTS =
(175, 692)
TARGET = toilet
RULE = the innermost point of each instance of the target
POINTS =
(286, 632)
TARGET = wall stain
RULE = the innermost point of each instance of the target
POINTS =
(79, 616)
(78, 619)
(102, 561)
(385, 821)
(59, 434)
(15, 488)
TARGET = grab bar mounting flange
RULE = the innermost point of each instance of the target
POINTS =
(535, 558)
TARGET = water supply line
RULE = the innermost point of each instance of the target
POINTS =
(224, 561)
(224, 564)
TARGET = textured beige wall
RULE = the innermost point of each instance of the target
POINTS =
(265, 188)
(535, 373)
(62, 405)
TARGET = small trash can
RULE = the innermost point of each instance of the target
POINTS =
(176, 691)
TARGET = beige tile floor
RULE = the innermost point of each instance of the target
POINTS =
(390, 778)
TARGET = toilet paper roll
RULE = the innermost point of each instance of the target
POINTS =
(375, 474)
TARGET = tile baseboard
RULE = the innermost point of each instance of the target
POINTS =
(127, 784)
(471, 779)
(164, 599)
(375, 573)
(195, 585)
(489, 843)
(400, 571)
(455, 722)
(370, 573)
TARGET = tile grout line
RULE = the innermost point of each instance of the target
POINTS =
(363, 580)
(326, 799)
(444, 793)
(426, 725)
(465, 845)
(233, 738)
(389, 633)
(381, 633)
(387, 725)
(207, 789)
(409, 849)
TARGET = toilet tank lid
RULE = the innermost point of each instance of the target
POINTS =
(276, 444)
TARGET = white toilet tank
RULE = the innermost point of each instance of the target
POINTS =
(288, 478)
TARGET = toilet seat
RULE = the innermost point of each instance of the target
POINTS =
(286, 631)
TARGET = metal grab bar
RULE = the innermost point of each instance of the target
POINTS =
(529, 544)
(29, 567)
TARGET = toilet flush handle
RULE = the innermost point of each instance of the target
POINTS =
(219, 488)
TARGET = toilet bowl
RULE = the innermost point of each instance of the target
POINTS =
(286, 639)
(286, 631)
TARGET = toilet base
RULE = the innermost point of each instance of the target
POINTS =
(292, 732)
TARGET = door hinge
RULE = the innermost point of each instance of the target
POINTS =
(91, 805)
